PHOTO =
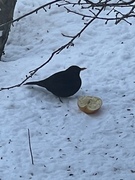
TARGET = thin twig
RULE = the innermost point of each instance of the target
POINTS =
(104, 3)
(32, 160)
(102, 18)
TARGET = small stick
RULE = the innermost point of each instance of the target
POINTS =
(32, 160)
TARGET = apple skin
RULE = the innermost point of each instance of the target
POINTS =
(89, 104)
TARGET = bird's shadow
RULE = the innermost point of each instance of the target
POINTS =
(48, 95)
(42, 91)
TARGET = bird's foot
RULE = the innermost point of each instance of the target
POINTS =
(60, 100)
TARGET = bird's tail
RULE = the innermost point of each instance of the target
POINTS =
(33, 83)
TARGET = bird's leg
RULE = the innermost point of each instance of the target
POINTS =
(60, 99)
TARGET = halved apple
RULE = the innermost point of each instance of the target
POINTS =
(89, 104)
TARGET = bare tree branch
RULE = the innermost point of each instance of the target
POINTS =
(85, 5)
(101, 3)
(34, 11)
(116, 19)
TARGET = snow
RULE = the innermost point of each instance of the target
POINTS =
(67, 144)
(1, 33)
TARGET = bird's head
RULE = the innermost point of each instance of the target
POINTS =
(75, 69)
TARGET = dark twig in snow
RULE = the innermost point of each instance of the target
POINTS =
(31, 154)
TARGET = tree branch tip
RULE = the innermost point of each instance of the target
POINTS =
(31, 72)
(66, 35)
(44, 9)
(49, 6)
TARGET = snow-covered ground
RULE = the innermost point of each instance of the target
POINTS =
(66, 143)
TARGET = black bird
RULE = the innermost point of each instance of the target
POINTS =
(62, 84)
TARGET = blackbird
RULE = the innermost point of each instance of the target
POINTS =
(62, 84)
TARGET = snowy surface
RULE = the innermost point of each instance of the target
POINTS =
(66, 143)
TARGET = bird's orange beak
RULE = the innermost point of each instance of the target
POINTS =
(83, 69)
